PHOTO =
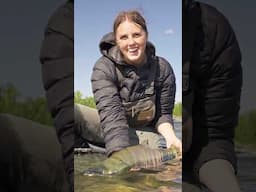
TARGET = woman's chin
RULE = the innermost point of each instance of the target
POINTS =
(134, 60)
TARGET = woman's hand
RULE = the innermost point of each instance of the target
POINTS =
(175, 142)
(166, 130)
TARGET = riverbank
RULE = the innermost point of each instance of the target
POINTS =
(245, 132)
(245, 148)
(177, 118)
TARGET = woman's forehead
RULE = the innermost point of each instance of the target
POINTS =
(129, 25)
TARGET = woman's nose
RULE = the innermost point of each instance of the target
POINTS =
(131, 41)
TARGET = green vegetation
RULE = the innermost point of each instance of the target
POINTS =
(177, 111)
(89, 101)
(33, 109)
(245, 132)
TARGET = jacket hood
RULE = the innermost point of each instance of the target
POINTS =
(109, 48)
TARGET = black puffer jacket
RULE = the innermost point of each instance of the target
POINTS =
(109, 91)
(216, 77)
(57, 58)
(217, 71)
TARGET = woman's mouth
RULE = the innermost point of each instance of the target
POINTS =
(133, 50)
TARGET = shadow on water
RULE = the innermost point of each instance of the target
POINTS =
(164, 179)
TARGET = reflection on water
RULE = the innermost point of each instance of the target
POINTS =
(164, 179)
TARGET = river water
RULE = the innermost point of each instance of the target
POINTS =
(165, 179)
(247, 170)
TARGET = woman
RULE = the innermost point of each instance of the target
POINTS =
(133, 88)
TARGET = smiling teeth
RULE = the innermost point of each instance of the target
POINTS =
(132, 50)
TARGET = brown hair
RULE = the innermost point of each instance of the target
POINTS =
(133, 16)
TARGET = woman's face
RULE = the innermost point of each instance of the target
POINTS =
(131, 40)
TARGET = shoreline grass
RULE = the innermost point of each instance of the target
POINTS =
(245, 132)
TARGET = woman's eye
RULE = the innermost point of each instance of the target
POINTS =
(124, 37)
(137, 35)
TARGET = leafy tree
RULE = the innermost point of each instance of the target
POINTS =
(33, 109)
(88, 101)
(245, 132)
(177, 111)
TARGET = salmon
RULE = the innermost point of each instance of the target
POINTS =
(133, 157)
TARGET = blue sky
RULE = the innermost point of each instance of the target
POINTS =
(95, 18)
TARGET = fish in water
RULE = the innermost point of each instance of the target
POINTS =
(133, 157)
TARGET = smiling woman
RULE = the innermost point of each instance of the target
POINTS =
(133, 86)
(163, 21)
(134, 90)
(131, 37)
(131, 40)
